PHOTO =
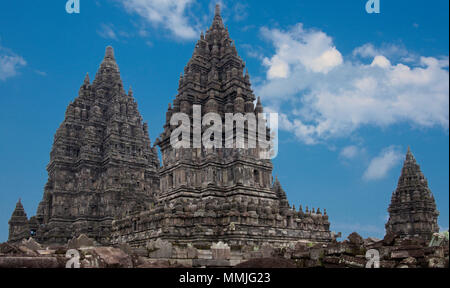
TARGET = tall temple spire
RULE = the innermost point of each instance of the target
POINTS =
(102, 137)
(217, 10)
(108, 74)
(217, 22)
(412, 211)
(409, 156)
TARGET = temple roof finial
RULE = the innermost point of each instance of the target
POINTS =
(217, 10)
(86, 79)
(109, 53)
(409, 155)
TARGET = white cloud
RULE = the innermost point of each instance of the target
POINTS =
(381, 62)
(107, 31)
(368, 50)
(310, 49)
(332, 98)
(10, 63)
(171, 14)
(350, 152)
(381, 164)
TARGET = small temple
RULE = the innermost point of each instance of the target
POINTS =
(412, 212)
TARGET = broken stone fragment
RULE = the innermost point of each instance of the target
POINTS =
(81, 241)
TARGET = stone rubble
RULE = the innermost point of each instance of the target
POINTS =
(351, 253)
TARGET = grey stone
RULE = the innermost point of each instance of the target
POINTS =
(159, 249)
(80, 241)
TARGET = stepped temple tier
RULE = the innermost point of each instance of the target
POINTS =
(412, 211)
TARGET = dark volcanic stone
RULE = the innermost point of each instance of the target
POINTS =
(267, 263)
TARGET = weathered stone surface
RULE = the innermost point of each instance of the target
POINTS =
(192, 252)
(388, 264)
(353, 262)
(435, 262)
(267, 263)
(410, 261)
(109, 257)
(159, 249)
(30, 262)
(159, 264)
(80, 241)
(27, 251)
(267, 251)
(389, 238)
(221, 251)
(31, 244)
(211, 263)
(9, 249)
(371, 241)
(355, 239)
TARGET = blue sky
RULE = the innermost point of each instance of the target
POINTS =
(353, 89)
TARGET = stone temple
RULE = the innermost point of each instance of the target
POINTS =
(412, 211)
(101, 163)
(105, 179)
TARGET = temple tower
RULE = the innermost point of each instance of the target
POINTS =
(18, 224)
(214, 79)
(101, 166)
(210, 194)
(412, 211)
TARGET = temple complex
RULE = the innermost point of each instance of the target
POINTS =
(105, 179)
(412, 211)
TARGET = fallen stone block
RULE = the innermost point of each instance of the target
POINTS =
(81, 241)
(109, 257)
